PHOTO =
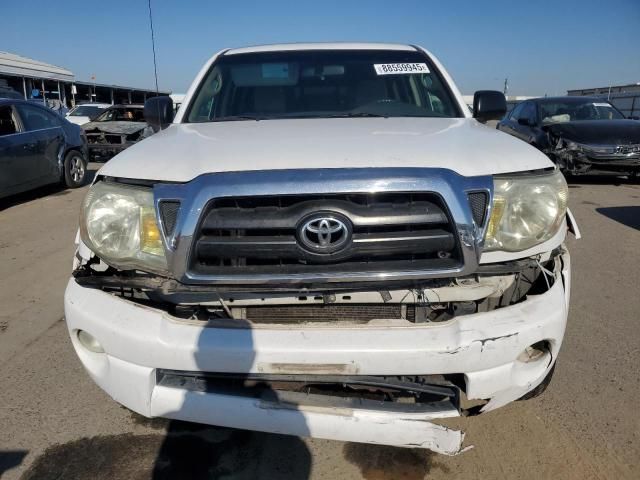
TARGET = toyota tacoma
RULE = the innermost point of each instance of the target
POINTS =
(323, 242)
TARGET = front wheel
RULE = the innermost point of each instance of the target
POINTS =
(75, 169)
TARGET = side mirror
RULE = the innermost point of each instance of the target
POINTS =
(158, 112)
(489, 105)
(525, 121)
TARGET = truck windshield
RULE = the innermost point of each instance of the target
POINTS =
(322, 84)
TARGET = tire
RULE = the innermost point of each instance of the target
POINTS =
(75, 169)
(539, 390)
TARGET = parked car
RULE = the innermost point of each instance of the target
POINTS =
(323, 242)
(117, 128)
(581, 135)
(8, 92)
(38, 147)
(86, 112)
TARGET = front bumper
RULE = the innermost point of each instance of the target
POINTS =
(484, 347)
(106, 151)
(581, 163)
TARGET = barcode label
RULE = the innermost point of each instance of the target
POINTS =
(400, 68)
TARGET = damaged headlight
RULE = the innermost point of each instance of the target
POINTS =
(580, 147)
(526, 211)
(118, 223)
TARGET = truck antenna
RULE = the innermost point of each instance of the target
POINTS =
(153, 46)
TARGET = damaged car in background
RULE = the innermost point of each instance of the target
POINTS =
(86, 112)
(581, 135)
(344, 253)
(117, 128)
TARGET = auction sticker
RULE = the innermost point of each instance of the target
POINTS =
(399, 68)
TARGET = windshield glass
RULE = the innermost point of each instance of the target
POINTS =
(321, 84)
(572, 111)
(85, 111)
(122, 115)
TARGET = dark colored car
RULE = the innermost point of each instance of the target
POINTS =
(581, 135)
(8, 92)
(38, 147)
(117, 128)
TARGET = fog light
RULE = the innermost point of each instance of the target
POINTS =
(89, 342)
(534, 352)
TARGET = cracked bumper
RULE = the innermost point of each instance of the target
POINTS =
(484, 347)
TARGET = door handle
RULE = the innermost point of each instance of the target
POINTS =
(30, 147)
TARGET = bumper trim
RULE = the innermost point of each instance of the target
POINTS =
(351, 425)
(201, 381)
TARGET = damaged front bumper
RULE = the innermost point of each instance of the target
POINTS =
(106, 151)
(158, 364)
(578, 159)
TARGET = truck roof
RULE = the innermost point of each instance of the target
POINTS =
(321, 46)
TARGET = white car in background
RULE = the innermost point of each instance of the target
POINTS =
(86, 112)
(323, 242)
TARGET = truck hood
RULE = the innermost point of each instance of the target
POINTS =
(598, 132)
(184, 151)
(78, 120)
(126, 128)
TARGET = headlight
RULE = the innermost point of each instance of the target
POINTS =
(118, 223)
(526, 211)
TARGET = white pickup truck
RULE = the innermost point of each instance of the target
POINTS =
(323, 242)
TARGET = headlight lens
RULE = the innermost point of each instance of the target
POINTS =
(118, 223)
(526, 211)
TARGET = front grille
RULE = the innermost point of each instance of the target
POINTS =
(101, 138)
(329, 313)
(260, 235)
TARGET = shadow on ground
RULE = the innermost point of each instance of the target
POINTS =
(629, 216)
(384, 462)
(184, 451)
(10, 459)
(584, 180)
(54, 189)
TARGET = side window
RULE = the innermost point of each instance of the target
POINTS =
(35, 118)
(529, 112)
(8, 124)
(515, 113)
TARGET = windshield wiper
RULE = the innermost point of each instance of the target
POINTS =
(356, 115)
(232, 118)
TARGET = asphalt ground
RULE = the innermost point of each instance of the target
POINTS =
(56, 424)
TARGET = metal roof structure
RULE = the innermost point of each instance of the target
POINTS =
(13, 64)
(121, 87)
(626, 88)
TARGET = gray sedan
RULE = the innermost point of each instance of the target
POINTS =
(38, 147)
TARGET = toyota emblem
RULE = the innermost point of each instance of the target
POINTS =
(324, 233)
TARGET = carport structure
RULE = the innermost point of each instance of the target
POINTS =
(32, 78)
(56, 86)
(115, 94)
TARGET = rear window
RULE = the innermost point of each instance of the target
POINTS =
(321, 84)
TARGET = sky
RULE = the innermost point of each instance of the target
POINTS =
(542, 47)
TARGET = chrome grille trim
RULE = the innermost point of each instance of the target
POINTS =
(195, 195)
